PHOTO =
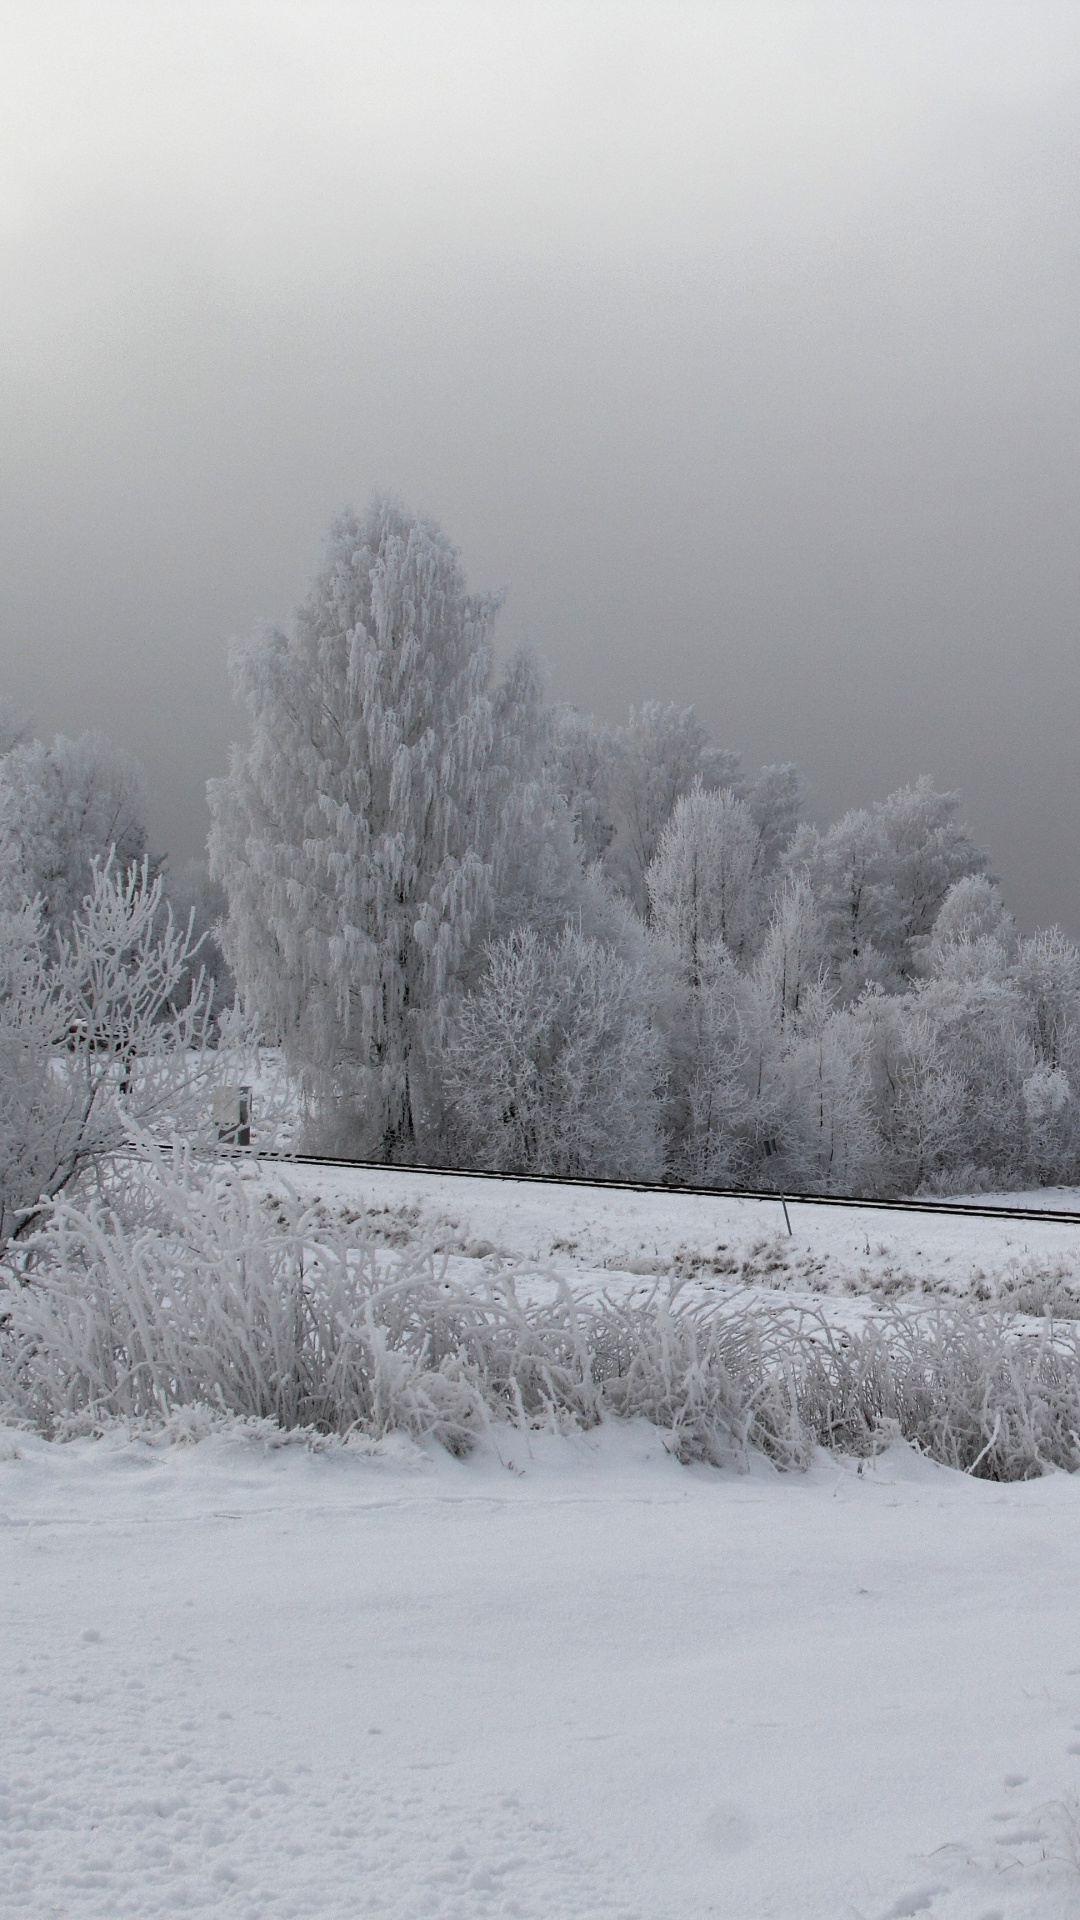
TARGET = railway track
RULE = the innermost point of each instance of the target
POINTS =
(957, 1209)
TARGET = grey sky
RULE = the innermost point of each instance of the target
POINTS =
(739, 341)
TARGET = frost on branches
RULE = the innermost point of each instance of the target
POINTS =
(90, 1037)
(362, 835)
(65, 807)
(492, 932)
(555, 1066)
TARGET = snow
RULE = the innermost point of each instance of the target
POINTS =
(615, 1241)
(566, 1678)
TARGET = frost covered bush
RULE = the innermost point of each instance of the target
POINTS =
(205, 1290)
(223, 1296)
(1040, 1287)
(91, 1038)
(556, 1067)
(970, 1389)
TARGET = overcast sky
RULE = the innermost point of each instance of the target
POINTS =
(739, 341)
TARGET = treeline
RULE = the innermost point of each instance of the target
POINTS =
(492, 932)
(488, 931)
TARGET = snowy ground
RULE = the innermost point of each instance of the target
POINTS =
(566, 1678)
(624, 1242)
(577, 1680)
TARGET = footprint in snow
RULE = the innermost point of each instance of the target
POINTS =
(907, 1905)
(729, 1830)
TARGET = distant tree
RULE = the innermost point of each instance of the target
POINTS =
(64, 808)
(583, 758)
(661, 754)
(879, 878)
(361, 836)
(555, 1066)
(927, 850)
(702, 880)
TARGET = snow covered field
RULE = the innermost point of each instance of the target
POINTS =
(624, 1242)
(564, 1678)
(575, 1680)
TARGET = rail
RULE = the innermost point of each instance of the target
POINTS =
(962, 1209)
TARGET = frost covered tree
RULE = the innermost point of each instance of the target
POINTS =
(782, 1103)
(1045, 972)
(661, 754)
(361, 834)
(775, 800)
(541, 875)
(779, 1084)
(847, 867)
(811, 1111)
(583, 757)
(555, 1066)
(822, 1093)
(197, 900)
(621, 786)
(66, 806)
(928, 848)
(1045, 975)
(706, 882)
(880, 877)
(91, 1038)
(704, 898)
(949, 1062)
(788, 976)
(975, 1067)
(973, 928)
(715, 1107)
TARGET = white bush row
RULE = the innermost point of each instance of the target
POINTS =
(195, 1288)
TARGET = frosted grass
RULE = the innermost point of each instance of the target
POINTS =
(194, 1288)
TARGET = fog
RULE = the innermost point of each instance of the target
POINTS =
(739, 342)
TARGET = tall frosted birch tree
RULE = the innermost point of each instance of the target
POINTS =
(358, 835)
